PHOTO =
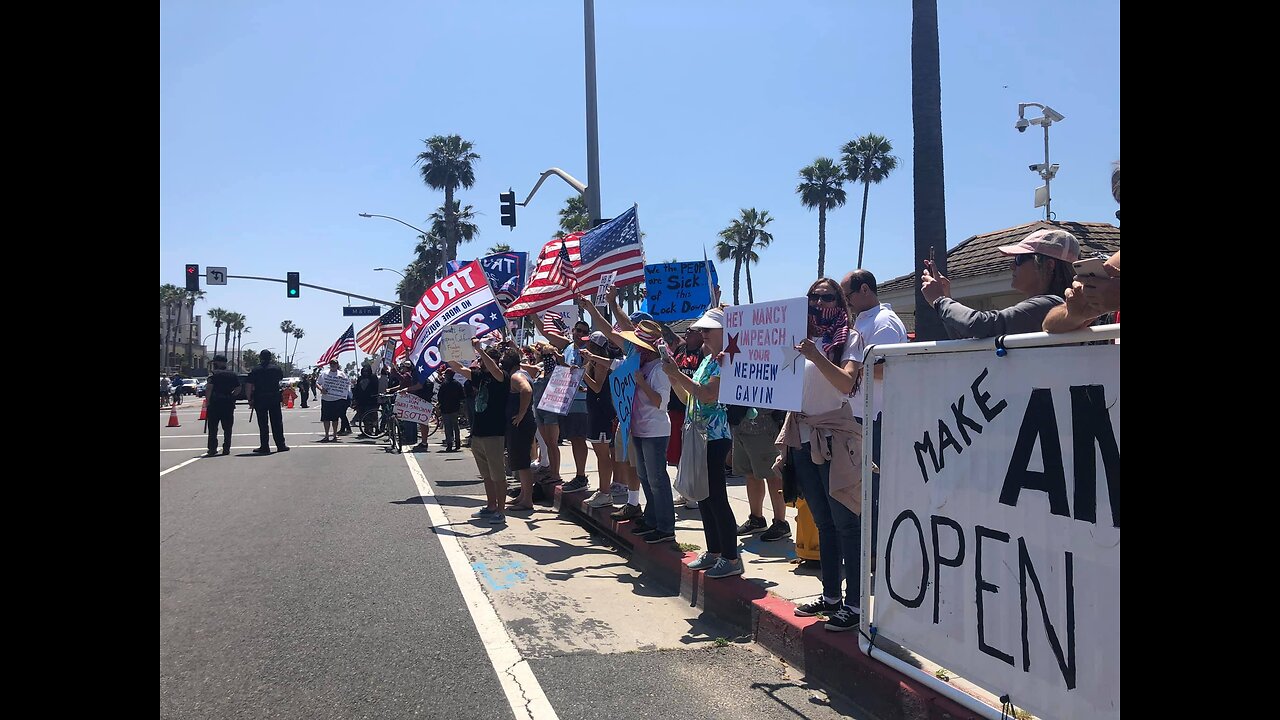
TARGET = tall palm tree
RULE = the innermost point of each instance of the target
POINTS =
(739, 241)
(464, 218)
(574, 217)
(298, 333)
(446, 165)
(191, 296)
(499, 248)
(926, 123)
(217, 315)
(424, 271)
(867, 160)
(241, 329)
(230, 319)
(170, 297)
(822, 187)
(287, 327)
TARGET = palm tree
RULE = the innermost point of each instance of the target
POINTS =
(240, 328)
(230, 319)
(190, 297)
(867, 160)
(822, 188)
(298, 333)
(926, 122)
(287, 327)
(466, 229)
(424, 271)
(217, 315)
(739, 241)
(499, 248)
(574, 217)
(170, 297)
(446, 165)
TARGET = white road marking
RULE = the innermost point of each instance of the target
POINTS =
(522, 689)
(317, 446)
(175, 467)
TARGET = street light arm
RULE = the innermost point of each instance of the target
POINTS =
(369, 215)
(573, 182)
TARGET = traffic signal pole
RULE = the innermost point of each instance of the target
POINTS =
(324, 289)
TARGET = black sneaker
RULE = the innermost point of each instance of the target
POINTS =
(751, 525)
(846, 618)
(640, 528)
(262, 451)
(626, 513)
(658, 536)
(576, 484)
(282, 448)
(777, 531)
(810, 609)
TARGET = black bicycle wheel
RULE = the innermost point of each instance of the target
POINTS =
(393, 433)
(370, 424)
(432, 426)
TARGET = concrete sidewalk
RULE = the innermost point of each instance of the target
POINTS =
(762, 600)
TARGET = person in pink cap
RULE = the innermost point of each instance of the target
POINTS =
(1042, 271)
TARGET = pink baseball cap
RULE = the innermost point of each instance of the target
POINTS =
(1057, 244)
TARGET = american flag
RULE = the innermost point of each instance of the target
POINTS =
(562, 272)
(345, 343)
(551, 322)
(387, 326)
(612, 247)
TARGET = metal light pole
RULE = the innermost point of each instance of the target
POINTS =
(1046, 171)
(369, 215)
(404, 318)
(593, 140)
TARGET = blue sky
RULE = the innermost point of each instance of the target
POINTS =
(280, 121)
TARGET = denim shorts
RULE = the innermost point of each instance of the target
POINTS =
(546, 418)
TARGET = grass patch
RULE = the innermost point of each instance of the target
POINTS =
(721, 642)
(688, 547)
(942, 674)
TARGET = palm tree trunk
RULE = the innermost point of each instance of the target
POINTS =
(450, 226)
(926, 121)
(751, 296)
(737, 272)
(862, 233)
(822, 239)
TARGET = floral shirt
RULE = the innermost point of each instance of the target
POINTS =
(714, 414)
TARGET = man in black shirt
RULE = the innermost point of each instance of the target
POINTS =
(264, 395)
(221, 391)
(449, 406)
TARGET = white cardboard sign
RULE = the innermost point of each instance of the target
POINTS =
(760, 367)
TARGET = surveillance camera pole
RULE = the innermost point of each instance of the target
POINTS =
(1047, 172)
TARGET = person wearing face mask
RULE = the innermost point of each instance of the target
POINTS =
(574, 427)
(520, 431)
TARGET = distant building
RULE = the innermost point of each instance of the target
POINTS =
(981, 275)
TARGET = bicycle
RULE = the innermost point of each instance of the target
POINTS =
(437, 423)
(382, 421)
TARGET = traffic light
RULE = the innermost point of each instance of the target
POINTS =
(193, 278)
(291, 281)
(508, 199)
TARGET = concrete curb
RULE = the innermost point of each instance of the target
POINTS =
(830, 660)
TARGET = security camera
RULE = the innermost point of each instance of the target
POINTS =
(1037, 167)
(1021, 125)
(1053, 115)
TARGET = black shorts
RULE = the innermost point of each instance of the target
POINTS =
(602, 428)
(520, 444)
(331, 410)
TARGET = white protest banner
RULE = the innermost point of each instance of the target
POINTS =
(412, 408)
(455, 343)
(998, 550)
(561, 387)
(761, 367)
(606, 280)
(622, 386)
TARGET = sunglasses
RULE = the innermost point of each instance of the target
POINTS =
(823, 297)
(1019, 259)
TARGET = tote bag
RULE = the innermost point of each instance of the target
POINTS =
(691, 477)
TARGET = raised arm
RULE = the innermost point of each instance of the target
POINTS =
(489, 363)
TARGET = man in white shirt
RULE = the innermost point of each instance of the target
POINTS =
(875, 323)
(335, 394)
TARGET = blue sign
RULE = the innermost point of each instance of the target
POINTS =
(678, 291)
(622, 386)
(361, 310)
(506, 273)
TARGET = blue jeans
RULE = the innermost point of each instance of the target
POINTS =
(651, 466)
(839, 529)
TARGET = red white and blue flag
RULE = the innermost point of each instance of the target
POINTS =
(612, 247)
(464, 296)
(371, 336)
(344, 343)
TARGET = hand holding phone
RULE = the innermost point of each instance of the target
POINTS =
(1090, 267)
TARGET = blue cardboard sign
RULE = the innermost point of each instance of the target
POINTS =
(678, 291)
(622, 387)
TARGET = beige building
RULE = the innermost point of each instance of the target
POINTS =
(981, 275)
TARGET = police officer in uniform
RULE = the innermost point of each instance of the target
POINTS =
(264, 395)
(221, 390)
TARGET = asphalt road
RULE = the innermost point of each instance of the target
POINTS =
(318, 584)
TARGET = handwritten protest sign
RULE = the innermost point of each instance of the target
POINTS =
(456, 343)
(677, 291)
(412, 408)
(761, 367)
(622, 386)
(561, 387)
(605, 281)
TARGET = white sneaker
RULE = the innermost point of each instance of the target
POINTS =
(599, 499)
(679, 500)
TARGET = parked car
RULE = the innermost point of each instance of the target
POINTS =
(200, 386)
(295, 380)
(188, 386)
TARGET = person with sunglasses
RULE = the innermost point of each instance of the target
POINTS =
(1042, 271)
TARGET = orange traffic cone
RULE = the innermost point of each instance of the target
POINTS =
(290, 405)
(204, 409)
(173, 417)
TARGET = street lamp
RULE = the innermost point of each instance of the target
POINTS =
(402, 277)
(1046, 171)
(373, 215)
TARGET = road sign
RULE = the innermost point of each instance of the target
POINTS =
(361, 310)
(215, 275)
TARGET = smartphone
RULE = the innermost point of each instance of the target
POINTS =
(1090, 267)
(666, 353)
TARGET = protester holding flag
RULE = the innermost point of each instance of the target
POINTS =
(489, 428)
(707, 414)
